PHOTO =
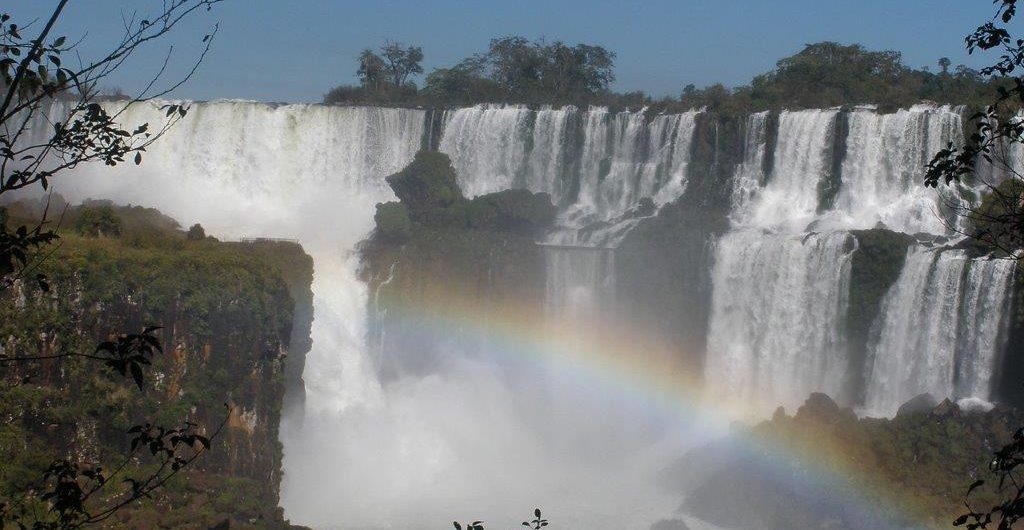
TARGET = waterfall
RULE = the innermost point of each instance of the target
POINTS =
(789, 199)
(886, 157)
(941, 329)
(749, 175)
(550, 155)
(309, 172)
(621, 158)
(779, 292)
(410, 452)
(488, 146)
(776, 313)
(580, 283)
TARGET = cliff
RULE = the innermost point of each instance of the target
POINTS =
(229, 318)
(439, 265)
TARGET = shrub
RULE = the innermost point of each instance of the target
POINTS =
(100, 221)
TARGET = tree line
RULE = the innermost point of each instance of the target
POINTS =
(512, 70)
(516, 70)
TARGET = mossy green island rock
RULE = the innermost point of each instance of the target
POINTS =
(437, 259)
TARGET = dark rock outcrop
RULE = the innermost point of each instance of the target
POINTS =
(919, 404)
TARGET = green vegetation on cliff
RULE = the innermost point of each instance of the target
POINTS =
(910, 471)
(226, 314)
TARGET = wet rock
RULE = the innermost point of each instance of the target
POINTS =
(819, 407)
(919, 404)
(946, 409)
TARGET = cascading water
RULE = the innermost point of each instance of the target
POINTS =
(488, 146)
(749, 175)
(580, 283)
(779, 310)
(776, 314)
(596, 165)
(294, 171)
(942, 327)
(778, 299)
(410, 453)
(884, 166)
(461, 439)
(789, 200)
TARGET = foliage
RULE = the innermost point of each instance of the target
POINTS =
(100, 221)
(429, 194)
(999, 221)
(1008, 511)
(996, 222)
(196, 233)
(824, 74)
(392, 221)
(536, 524)
(514, 210)
(384, 77)
(32, 81)
(225, 310)
(513, 69)
(906, 472)
(451, 249)
(400, 62)
(428, 186)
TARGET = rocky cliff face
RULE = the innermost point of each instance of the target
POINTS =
(228, 324)
(437, 259)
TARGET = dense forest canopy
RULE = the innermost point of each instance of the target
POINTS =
(516, 70)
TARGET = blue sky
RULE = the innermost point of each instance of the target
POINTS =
(295, 50)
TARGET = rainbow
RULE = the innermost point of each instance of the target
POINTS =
(654, 379)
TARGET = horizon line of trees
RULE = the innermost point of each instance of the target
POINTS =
(517, 70)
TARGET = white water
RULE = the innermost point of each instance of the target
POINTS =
(779, 311)
(942, 328)
(789, 200)
(580, 283)
(596, 165)
(776, 313)
(463, 442)
(883, 171)
(749, 175)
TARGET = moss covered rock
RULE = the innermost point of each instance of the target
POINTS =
(427, 187)
(392, 221)
(513, 210)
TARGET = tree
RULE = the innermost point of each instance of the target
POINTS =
(400, 62)
(100, 221)
(827, 74)
(371, 70)
(196, 233)
(944, 63)
(997, 221)
(33, 78)
(539, 72)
